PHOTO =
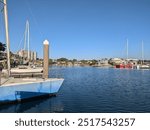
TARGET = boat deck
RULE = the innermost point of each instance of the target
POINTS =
(22, 73)
(14, 81)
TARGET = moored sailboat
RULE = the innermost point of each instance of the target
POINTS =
(142, 65)
(126, 63)
(17, 89)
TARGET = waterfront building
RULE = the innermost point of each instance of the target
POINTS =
(24, 54)
(132, 61)
(116, 61)
(103, 61)
(34, 56)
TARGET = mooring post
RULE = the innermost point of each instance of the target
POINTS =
(46, 59)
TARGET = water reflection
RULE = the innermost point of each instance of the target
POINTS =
(39, 105)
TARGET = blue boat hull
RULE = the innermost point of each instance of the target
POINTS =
(18, 92)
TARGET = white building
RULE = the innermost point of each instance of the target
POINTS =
(116, 61)
(24, 54)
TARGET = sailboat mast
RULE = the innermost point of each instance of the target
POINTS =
(7, 36)
(25, 37)
(142, 52)
(127, 48)
(28, 40)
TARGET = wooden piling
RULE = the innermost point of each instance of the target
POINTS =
(46, 59)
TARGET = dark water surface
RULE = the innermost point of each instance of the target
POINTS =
(89, 89)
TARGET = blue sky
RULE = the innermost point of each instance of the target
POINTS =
(82, 29)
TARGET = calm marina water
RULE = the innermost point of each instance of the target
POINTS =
(89, 89)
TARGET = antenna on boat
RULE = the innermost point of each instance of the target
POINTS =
(7, 36)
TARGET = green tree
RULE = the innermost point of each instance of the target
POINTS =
(50, 61)
(2, 47)
(94, 62)
(83, 61)
(62, 59)
(74, 60)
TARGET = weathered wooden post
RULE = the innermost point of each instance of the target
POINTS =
(46, 59)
